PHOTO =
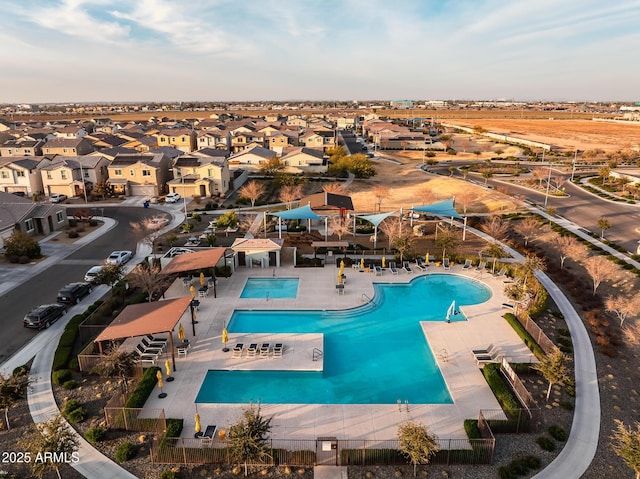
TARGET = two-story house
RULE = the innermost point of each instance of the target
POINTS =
(213, 138)
(143, 174)
(183, 139)
(22, 175)
(203, 175)
(73, 175)
(70, 132)
(67, 147)
(22, 214)
(21, 147)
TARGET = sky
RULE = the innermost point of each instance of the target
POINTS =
(281, 50)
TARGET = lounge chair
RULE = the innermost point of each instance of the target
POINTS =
(421, 264)
(446, 264)
(480, 352)
(145, 358)
(406, 267)
(147, 352)
(490, 355)
(252, 350)
(392, 267)
(501, 273)
(467, 264)
(508, 306)
(265, 349)
(237, 350)
(378, 270)
(152, 345)
(209, 432)
(485, 359)
(278, 349)
(481, 266)
(157, 339)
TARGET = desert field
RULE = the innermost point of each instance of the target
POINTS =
(569, 134)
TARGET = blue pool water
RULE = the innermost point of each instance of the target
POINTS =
(278, 288)
(374, 354)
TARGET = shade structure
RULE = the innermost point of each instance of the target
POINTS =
(159, 376)
(303, 213)
(377, 219)
(194, 261)
(202, 280)
(181, 332)
(442, 208)
(198, 426)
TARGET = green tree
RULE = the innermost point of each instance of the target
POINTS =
(626, 444)
(604, 224)
(228, 220)
(247, 439)
(12, 389)
(486, 174)
(110, 274)
(53, 436)
(21, 244)
(403, 242)
(604, 172)
(554, 369)
(494, 250)
(446, 238)
(417, 443)
(272, 167)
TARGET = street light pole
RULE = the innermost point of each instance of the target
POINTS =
(546, 196)
(573, 169)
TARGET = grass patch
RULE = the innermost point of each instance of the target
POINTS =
(524, 335)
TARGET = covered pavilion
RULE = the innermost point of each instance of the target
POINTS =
(157, 317)
(194, 261)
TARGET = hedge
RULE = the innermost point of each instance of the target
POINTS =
(502, 392)
(524, 335)
(142, 391)
(471, 428)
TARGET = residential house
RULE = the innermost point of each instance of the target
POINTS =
(183, 139)
(251, 158)
(21, 147)
(213, 138)
(67, 147)
(73, 175)
(201, 174)
(22, 214)
(277, 141)
(22, 175)
(301, 159)
(326, 203)
(111, 153)
(104, 140)
(141, 174)
(242, 141)
(296, 121)
(70, 132)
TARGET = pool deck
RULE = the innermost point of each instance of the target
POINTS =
(451, 343)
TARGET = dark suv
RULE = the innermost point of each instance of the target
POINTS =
(43, 316)
(73, 293)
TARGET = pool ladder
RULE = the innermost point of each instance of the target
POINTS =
(364, 298)
(317, 354)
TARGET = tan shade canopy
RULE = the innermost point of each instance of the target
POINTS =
(192, 261)
(145, 318)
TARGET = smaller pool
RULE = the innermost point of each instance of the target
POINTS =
(270, 288)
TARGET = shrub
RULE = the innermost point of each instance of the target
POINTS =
(566, 405)
(95, 434)
(73, 234)
(60, 376)
(558, 433)
(70, 384)
(70, 406)
(20, 369)
(169, 474)
(471, 428)
(21, 244)
(74, 365)
(546, 444)
(142, 391)
(505, 473)
(61, 358)
(93, 223)
(174, 427)
(126, 451)
(500, 389)
(77, 415)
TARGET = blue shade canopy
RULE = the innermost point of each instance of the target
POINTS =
(303, 213)
(377, 219)
(443, 208)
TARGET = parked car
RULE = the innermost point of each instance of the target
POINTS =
(73, 293)
(91, 276)
(43, 316)
(172, 198)
(57, 198)
(119, 257)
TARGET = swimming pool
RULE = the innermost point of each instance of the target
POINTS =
(278, 288)
(373, 354)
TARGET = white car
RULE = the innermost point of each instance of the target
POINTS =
(91, 275)
(119, 257)
(57, 198)
(172, 198)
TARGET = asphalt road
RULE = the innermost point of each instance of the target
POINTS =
(581, 207)
(43, 288)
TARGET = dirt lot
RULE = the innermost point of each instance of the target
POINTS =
(570, 134)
